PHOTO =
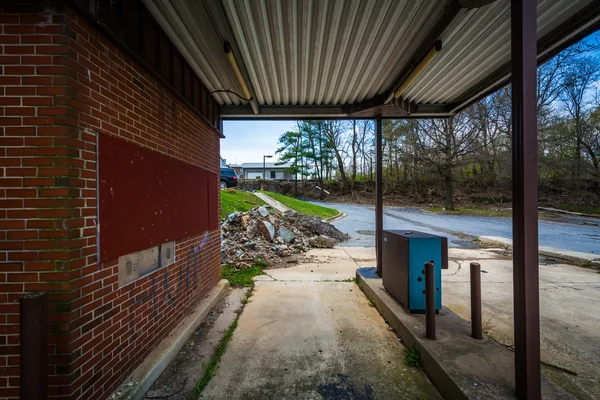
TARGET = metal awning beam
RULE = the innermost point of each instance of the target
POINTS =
(398, 109)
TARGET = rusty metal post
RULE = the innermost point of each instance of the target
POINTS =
(379, 194)
(429, 301)
(34, 346)
(476, 301)
(525, 200)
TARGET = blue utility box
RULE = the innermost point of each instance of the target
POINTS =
(403, 266)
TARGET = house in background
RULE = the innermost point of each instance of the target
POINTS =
(238, 170)
(223, 162)
(272, 171)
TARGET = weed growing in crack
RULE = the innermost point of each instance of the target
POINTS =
(212, 366)
(487, 326)
(240, 277)
(412, 356)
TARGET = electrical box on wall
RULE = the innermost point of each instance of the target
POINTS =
(403, 266)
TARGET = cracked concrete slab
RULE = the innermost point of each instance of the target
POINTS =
(314, 340)
(299, 338)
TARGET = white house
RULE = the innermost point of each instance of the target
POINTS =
(272, 171)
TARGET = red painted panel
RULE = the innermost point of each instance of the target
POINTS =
(147, 198)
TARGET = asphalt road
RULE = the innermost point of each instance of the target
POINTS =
(460, 230)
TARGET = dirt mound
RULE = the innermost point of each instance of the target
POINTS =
(265, 236)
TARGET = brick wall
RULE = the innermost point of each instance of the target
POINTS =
(61, 82)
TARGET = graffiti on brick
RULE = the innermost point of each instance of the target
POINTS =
(188, 272)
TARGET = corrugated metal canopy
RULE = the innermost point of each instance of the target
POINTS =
(345, 58)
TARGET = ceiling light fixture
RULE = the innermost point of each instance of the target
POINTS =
(419, 69)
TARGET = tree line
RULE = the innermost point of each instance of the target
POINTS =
(475, 144)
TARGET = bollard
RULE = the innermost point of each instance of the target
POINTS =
(34, 346)
(476, 301)
(429, 301)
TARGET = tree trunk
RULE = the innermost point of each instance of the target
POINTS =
(354, 151)
(449, 194)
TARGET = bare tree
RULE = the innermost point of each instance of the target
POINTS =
(579, 74)
(445, 143)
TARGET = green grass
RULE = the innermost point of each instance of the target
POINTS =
(479, 212)
(303, 206)
(237, 200)
(212, 366)
(411, 356)
(240, 277)
(581, 209)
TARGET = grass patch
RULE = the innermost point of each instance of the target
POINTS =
(371, 303)
(581, 209)
(477, 212)
(212, 366)
(303, 206)
(240, 277)
(411, 356)
(237, 200)
(259, 262)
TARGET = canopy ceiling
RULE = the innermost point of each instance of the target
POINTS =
(345, 58)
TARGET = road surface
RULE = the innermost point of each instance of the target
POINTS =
(460, 230)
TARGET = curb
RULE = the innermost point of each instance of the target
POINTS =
(578, 258)
(159, 359)
(436, 373)
(459, 366)
(337, 217)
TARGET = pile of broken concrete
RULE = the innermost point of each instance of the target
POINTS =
(277, 238)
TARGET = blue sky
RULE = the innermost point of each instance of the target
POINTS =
(248, 141)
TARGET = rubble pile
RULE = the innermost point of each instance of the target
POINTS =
(277, 238)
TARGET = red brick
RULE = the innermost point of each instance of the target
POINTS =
(18, 49)
(20, 131)
(11, 141)
(19, 29)
(20, 91)
(36, 60)
(22, 235)
(22, 277)
(10, 101)
(19, 111)
(23, 256)
(36, 39)
(54, 49)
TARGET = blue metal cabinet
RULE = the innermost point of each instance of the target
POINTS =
(403, 266)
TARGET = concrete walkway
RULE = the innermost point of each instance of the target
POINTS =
(306, 334)
(272, 202)
(570, 323)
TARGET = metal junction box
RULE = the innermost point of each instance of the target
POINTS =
(403, 266)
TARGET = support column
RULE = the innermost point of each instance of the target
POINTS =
(525, 200)
(379, 193)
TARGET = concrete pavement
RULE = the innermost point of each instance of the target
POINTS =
(305, 336)
(570, 322)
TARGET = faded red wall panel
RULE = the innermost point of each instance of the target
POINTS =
(147, 198)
